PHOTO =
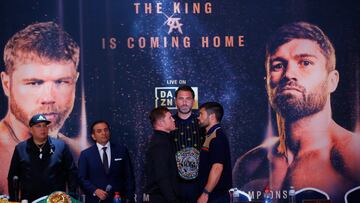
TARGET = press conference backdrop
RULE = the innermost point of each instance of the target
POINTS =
(134, 54)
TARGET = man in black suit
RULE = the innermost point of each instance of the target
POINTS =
(105, 168)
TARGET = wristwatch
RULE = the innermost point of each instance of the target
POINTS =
(205, 191)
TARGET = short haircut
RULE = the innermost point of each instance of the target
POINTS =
(97, 122)
(185, 88)
(43, 42)
(214, 107)
(301, 30)
(157, 114)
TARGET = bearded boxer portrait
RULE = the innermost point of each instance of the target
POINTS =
(311, 149)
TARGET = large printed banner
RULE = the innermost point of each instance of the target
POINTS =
(302, 131)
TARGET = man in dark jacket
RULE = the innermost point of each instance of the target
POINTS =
(105, 168)
(161, 169)
(41, 164)
(215, 178)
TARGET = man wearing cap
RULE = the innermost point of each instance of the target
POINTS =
(41, 164)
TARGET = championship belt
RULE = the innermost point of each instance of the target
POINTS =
(187, 161)
(352, 195)
(57, 197)
(305, 194)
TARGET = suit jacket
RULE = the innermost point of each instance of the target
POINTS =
(92, 174)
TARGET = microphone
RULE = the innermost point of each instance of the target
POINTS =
(15, 181)
(107, 189)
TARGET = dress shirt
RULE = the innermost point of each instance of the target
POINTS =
(101, 151)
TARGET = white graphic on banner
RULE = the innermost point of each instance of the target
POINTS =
(173, 23)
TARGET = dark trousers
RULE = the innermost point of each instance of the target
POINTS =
(157, 199)
(220, 199)
(188, 191)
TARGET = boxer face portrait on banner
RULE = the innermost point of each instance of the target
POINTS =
(311, 149)
(48, 88)
(299, 84)
(40, 77)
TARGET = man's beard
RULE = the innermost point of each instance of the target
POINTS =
(204, 124)
(184, 110)
(293, 107)
(54, 126)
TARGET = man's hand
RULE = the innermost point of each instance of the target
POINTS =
(203, 198)
(101, 194)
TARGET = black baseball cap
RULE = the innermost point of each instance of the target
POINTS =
(38, 118)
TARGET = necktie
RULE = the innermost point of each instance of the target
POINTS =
(105, 160)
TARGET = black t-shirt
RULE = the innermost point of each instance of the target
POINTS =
(188, 139)
(216, 150)
(188, 133)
